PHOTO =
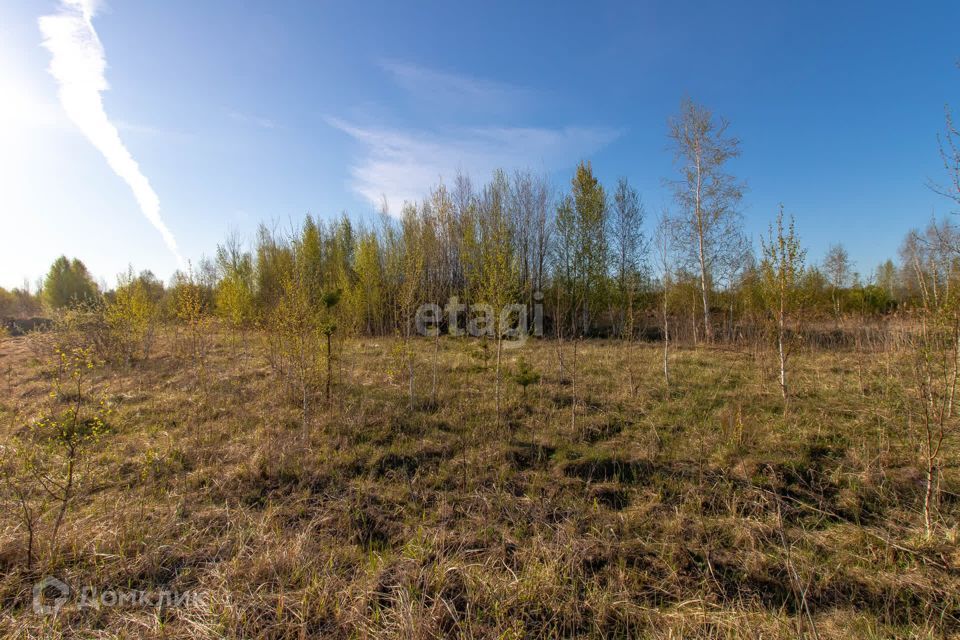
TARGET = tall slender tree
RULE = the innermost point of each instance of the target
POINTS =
(590, 211)
(628, 247)
(782, 268)
(411, 287)
(837, 267)
(664, 257)
(497, 284)
(707, 195)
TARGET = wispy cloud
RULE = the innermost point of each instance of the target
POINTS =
(445, 90)
(246, 118)
(78, 64)
(402, 165)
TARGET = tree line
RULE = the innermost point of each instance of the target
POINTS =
(582, 254)
(580, 257)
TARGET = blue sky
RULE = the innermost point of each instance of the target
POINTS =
(242, 112)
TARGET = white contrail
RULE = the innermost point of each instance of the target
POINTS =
(78, 65)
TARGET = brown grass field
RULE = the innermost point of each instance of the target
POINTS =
(699, 510)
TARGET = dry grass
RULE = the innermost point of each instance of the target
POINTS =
(701, 510)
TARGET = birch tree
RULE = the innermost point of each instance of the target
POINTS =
(665, 265)
(234, 294)
(592, 249)
(368, 293)
(708, 197)
(782, 269)
(498, 274)
(935, 352)
(410, 288)
(295, 323)
(628, 245)
(569, 295)
(837, 267)
(949, 144)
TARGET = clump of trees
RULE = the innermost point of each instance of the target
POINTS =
(578, 255)
(68, 282)
(515, 247)
(581, 248)
(301, 319)
(580, 252)
(19, 303)
(133, 315)
(234, 292)
(504, 248)
(191, 298)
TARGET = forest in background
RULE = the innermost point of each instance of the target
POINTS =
(711, 439)
(583, 253)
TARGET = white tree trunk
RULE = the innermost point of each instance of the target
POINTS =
(499, 351)
(781, 350)
(666, 346)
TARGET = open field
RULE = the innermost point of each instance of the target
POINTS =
(698, 510)
(429, 320)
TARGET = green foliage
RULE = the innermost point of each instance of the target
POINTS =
(273, 261)
(872, 300)
(328, 323)
(190, 300)
(628, 248)
(43, 466)
(481, 247)
(234, 295)
(192, 308)
(133, 314)
(887, 279)
(7, 303)
(782, 267)
(84, 421)
(68, 282)
(19, 303)
(524, 374)
(365, 297)
(582, 224)
(302, 315)
(411, 263)
(497, 273)
(783, 272)
(330, 299)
